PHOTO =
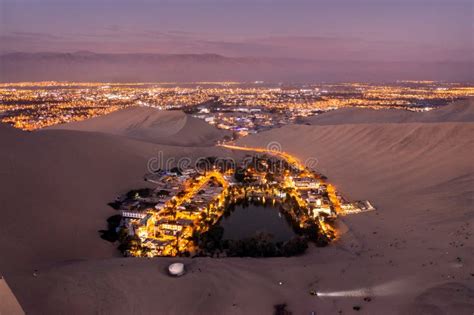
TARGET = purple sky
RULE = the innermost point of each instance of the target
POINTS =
(387, 30)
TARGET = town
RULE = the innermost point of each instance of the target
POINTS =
(240, 107)
(178, 216)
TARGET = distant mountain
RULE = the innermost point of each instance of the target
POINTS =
(89, 66)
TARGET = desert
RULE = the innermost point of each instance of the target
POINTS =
(411, 256)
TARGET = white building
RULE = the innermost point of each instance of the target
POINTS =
(133, 215)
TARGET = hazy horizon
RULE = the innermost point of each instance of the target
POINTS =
(270, 40)
(136, 133)
(365, 30)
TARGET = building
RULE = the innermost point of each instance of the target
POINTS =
(133, 215)
(306, 183)
(321, 209)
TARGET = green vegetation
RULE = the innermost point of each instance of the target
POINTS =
(111, 234)
(239, 175)
(261, 245)
(130, 243)
(115, 205)
(212, 243)
(139, 193)
(313, 233)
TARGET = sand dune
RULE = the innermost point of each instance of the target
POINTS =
(412, 256)
(421, 178)
(55, 188)
(152, 125)
(459, 111)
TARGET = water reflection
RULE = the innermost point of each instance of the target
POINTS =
(247, 221)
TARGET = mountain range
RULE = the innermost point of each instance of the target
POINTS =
(144, 67)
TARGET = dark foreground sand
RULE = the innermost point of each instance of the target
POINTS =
(413, 256)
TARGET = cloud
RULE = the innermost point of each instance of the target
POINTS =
(33, 35)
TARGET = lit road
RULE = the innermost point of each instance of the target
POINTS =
(327, 228)
(332, 196)
(195, 187)
(288, 157)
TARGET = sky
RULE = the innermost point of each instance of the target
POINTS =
(384, 30)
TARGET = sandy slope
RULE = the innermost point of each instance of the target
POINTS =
(55, 188)
(152, 125)
(459, 111)
(421, 178)
(413, 256)
(8, 303)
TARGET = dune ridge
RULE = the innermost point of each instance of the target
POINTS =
(420, 176)
(458, 111)
(411, 256)
(151, 125)
(56, 185)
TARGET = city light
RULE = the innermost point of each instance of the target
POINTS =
(241, 108)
